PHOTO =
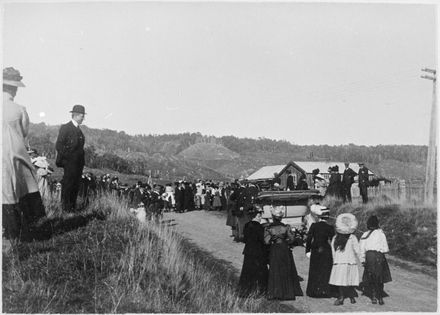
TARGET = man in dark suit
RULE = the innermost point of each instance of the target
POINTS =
(363, 182)
(70, 156)
(347, 180)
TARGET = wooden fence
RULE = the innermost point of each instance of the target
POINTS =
(396, 190)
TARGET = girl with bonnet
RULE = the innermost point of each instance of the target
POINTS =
(283, 280)
(345, 252)
(373, 246)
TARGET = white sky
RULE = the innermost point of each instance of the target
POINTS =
(308, 73)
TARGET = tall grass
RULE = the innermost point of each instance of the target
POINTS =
(411, 229)
(118, 265)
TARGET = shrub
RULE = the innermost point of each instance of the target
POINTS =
(411, 231)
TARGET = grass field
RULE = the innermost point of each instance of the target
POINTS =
(104, 261)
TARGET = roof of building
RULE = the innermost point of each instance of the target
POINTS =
(266, 172)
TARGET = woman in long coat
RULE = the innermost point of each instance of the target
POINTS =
(283, 281)
(253, 278)
(320, 253)
(21, 205)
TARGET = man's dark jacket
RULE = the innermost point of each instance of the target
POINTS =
(348, 177)
(70, 147)
(70, 156)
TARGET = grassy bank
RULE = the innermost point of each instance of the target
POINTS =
(411, 230)
(109, 263)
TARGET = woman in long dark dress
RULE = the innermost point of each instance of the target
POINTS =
(283, 281)
(320, 253)
(253, 278)
(335, 184)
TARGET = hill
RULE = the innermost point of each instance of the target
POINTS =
(193, 155)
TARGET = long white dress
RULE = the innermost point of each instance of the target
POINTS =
(19, 177)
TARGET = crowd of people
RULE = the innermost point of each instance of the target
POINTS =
(339, 185)
(268, 266)
(334, 252)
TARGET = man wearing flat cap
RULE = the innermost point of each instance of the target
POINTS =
(70, 156)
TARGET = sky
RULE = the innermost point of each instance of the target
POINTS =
(308, 73)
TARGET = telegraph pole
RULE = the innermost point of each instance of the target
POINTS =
(432, 148)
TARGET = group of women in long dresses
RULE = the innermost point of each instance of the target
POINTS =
(269, 267)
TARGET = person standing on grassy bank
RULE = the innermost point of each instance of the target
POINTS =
(253, 277)
(347, 180)
(22, 206)
(373, 246)
(345, 252)
(70, 156)
(363, 182)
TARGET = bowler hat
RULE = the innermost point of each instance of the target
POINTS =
(12, 77)
(78, 109)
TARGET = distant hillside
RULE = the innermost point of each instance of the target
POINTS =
(208, 151)
(193, 155)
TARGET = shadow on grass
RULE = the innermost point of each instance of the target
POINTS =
(55, 226)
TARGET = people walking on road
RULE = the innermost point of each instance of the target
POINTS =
(283, 280)
(22, 205)
(70, 156)
(320, 253)
(373, 246)
(347, 180)
(363, 179)
(254, 274)
(345, 252)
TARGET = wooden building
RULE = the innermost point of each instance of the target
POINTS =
(297, 168)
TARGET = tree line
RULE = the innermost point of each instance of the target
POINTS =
(115, 150)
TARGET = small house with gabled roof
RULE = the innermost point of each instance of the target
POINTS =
(298, 168)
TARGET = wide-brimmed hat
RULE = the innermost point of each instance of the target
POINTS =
(346, 223)
(318, 176)
(12, 77)
(320, 211)
(78, 109)
(277, 212)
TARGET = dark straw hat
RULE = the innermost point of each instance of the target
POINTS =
(78, 109)
(12, 77)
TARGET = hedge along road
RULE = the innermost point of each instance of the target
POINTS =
(410, 291)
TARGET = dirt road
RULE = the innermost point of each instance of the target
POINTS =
(410, 291)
